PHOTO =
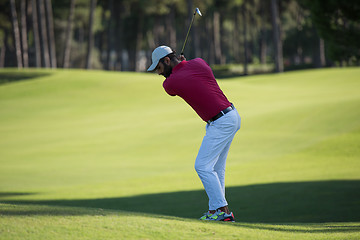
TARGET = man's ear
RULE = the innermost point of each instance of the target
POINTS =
(167, 60)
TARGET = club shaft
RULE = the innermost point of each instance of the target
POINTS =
(187, 35)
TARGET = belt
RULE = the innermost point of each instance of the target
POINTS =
(222, 113)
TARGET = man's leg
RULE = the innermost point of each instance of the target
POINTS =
(212, 176)
(204, 166)
(211, 159)
(219, 167)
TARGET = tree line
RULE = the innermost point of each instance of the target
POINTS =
(121, 34)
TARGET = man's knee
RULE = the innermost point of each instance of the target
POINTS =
(202, 168)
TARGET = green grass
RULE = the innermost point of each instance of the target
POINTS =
(105, 155)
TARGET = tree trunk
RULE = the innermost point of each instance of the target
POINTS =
(245, 40)
(101, 43)
(36, 34)
(139, 37)
(236, 42)
(321, 62)
(15, 25)
(44, 38)
(24, 34)
(263, 47)
(110, 37)
(197, 48)
(279, 65)
(68, 38)
(263, 43)
(157, 30)
(217, 42)
(2, 53)
(50, 28)
(91, 35)
(210, 42)
(322, 52)
(222, 41)
(172, 29)
(119, 9)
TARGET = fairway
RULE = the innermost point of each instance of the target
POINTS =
(109, 155)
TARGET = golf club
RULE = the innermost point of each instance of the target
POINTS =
(192, 20)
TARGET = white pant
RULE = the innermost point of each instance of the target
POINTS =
(211, 159)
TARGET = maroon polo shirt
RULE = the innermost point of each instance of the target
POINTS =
(194, 82)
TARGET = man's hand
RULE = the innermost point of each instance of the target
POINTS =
(182, 58)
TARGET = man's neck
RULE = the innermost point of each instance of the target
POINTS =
(174, 63)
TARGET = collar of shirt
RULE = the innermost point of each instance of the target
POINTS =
(179, 65)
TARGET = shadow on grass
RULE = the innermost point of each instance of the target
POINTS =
(307, 228)
(275, 203)
(13, 194)
(15, 76)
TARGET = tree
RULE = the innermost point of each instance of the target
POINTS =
(172, 26)
(217, 42)
(279, 65)
(68, 38)
(44, 37)
(265, 19)
(36, 34)
(91, 34)
(320, 60)
(16, 33)
(119, 26)
(110, 36)
(139, 37)
(120, 35)
(243, 12)
(338, 23)
(50, 30)
(210, 42)
(2, 53)
(24, 34)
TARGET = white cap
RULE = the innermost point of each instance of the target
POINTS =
(158, 54)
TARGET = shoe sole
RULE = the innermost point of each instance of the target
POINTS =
(228, 220)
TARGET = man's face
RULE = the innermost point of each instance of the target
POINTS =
(164, 68)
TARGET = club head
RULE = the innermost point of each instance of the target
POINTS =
(198, 11)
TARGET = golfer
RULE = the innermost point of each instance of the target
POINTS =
(194, 81)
